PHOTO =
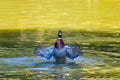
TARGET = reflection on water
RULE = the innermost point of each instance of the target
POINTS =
(79, 14)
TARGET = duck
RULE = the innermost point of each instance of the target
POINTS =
(60, 52)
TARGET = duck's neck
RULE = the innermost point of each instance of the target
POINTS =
(59, 38)
(59, 43)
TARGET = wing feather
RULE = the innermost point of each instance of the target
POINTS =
(73, 52)
(46, 52)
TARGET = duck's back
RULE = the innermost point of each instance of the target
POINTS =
(60, 55)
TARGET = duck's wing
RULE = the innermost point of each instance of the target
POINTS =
(73, 52)
(46, 52)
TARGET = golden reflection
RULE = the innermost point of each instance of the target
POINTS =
(39, 14)
(92, 2)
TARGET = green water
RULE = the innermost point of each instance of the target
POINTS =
(93, 24)
(101, 57)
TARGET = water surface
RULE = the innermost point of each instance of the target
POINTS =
(92, 24)
(100, 60)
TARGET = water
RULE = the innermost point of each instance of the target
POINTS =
(92, 24)
(50, 68)
(102, 15)
(100, 60)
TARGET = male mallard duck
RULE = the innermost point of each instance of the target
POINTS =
(59, 51)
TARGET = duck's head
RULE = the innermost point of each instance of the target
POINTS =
(59, 44)
(59, 34)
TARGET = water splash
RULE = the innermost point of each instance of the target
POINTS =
(87, 61)
(39, 63)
